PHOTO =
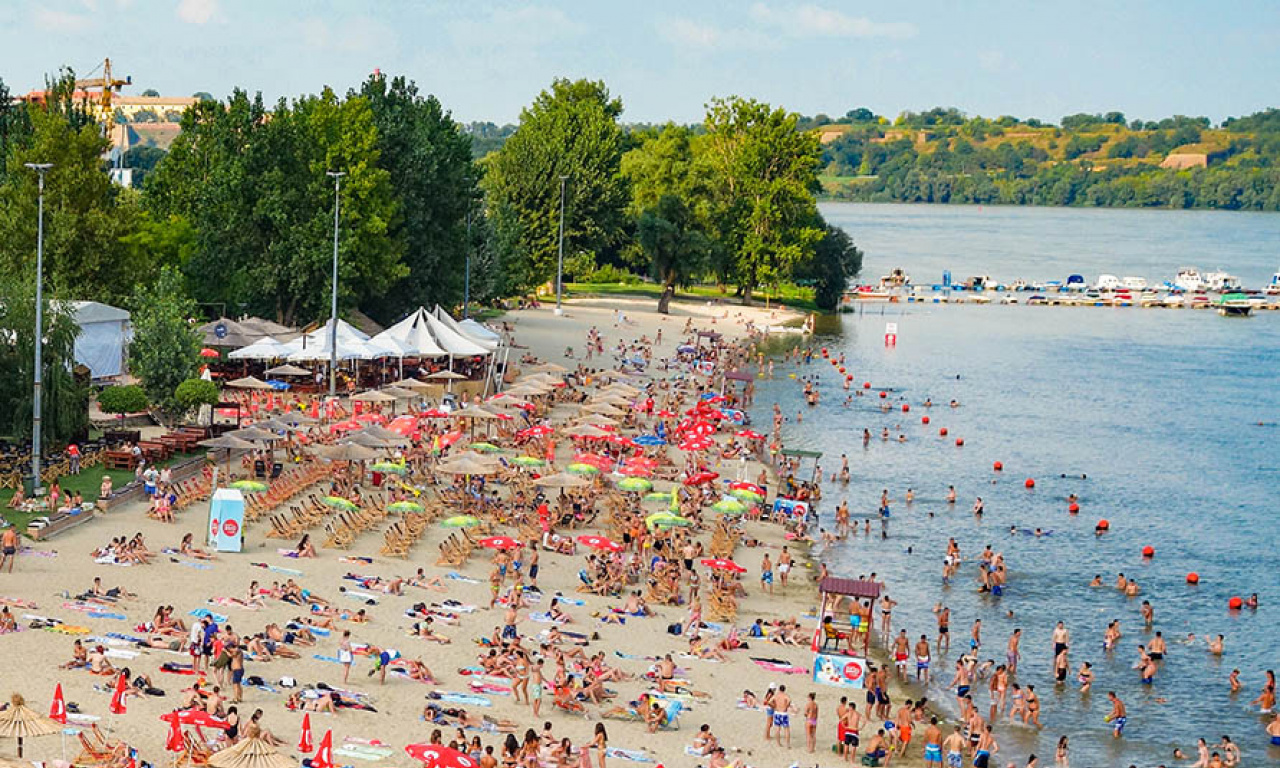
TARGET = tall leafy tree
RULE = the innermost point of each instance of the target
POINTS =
(572, 131)
(763, 180)
(674, 243)
(65, 399)
(85, 214)
(834, 262)
(15, 126)
(166, 346)
(428, 159)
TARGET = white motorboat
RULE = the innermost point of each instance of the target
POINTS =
(1189, 280)
(1134, 283)
(1273, 287)
(1107, 283)
(1221, 281)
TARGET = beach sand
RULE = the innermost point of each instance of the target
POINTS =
(31, 656)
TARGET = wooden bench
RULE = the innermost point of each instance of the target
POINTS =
(119, 460)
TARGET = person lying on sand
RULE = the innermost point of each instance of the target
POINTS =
(79, 657)
(187, 548)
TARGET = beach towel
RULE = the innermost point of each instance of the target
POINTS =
(634, 755)
(287, 552)
(197, 565)
(479, 687)
(455, 576)
(126, 638)
(120, 653)
(105, 615)
(544, 618)
(110, 560)
(200, 613)
(278, 569)
(231, 602)
(774, 665)
(16, 602)
(29, 552)
(366, 596)
(330, 659)
(634, 656)
(358, 755)
(451, 605)
(356, 559)
(470, 699)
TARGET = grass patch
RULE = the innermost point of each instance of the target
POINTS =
(789, 295)
(87, 483)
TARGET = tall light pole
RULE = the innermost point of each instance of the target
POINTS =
(36, 485)
(466, 284)
(333, 321)
(560, 261)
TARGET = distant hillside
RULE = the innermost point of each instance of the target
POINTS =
(943, 156)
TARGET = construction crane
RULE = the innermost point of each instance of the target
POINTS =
(107, 83)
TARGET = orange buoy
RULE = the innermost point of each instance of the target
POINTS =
(848, 377)
(942, 432)
(842, 369)
(1148, 551)
(1103, 525)
(1235, 603)
(998, 466)
(866, 385)
(1193, 578)
(924, 419)
(824, 351)
(959, 441)
(1074, 508)
(1030, 483)
(905, 408)
(883, 395)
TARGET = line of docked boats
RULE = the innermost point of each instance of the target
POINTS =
(1190, 289)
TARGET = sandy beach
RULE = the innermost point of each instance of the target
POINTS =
(32, 656)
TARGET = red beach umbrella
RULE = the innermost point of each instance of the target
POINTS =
(304, 741)
(749, 434)
(500, 542)
(58, 709)
(603, 543)
(195, 717)
(174, 742)
(700, 478)
(117, 696)
(721, 564)
(206, 352)
(635, 470)
(739, 485)
(434, 413)
(665, 414)
(324, 755)
(436, 756)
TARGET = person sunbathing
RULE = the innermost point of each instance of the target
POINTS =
(305, 548)
(699, 648)
(416, 670)
(188, 549)
(425, 631)
(97, 662)
(79, 657)
(19, 498)
(7, 622)
(655, 717)
(421, 579)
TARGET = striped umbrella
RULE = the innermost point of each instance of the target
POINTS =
(404, 506)
(634, 484)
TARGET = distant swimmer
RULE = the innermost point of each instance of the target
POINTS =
(951, 494)
(1118, 717)
(1097, 580)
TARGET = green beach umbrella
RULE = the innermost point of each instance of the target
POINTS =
(634, 484)
(389, 467)
(581, 469)
(484, 447)
(337, 502)
(528, 461)
(249, 486)
(666, 520)
(460, 521)
(658, 496)
(404, 506)
(729, 506)
(747, 495)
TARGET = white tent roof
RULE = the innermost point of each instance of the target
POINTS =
(482, 340)
(412, 337)
(453, 342)
(104, 333)
(478, 332)
(265, 348)
(316, 345)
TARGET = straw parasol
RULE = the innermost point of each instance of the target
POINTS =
(381, 432)
(294, 419)
(288, 369)
(411, 384)
(467, 466)
(586, 430)
(446, 376)
(345, 452)
(21, 722)
(473, 412)
(251, 753)
(548, 368)
(560, 480)
(373, 396)
(400, 394)
(603, 409)
(249, 382)
(227, 442)
(597, 420)
(367, 440)
(253, 434)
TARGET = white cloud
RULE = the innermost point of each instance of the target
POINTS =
(61, 21)
(690, 34)
(526, 27)
(810, 20)
(197, 11)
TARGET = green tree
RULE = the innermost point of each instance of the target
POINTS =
(15, 126)
(123, 399)
(428, 160)
(763, 176)
(65, 399)
(165, 347)
(674, 243)
(85, 214)
(569, 131)
(835, 260)
(151, 93)
(193, 393)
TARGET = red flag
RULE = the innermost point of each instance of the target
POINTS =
(324, 755)
(117, 697)
(58, 709)
(175, 742)
(304, 742)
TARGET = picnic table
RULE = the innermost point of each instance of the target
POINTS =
(119, 460)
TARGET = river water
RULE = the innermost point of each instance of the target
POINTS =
(1171, 414)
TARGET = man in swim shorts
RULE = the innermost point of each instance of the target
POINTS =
(782, 714)
(954, 747)
(1117, 716)
(933, 743)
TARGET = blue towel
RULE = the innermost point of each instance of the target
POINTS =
(200, 613)
(330, 659)
(105, 615)
(455, 576)
(473, 699)
(130, 638)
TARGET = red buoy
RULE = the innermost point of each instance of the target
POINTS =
(998, 466)
(1235, 603)
(1103, 525)
(883, 395)
(1148, 551)
(1074, 508)
(824, 351)
(842, 369)
(1030, 483)
(848, 377)
(959, 441)
(866, 385)
(1193, 578)
(905, 408)
(924, 419)
(942, 432)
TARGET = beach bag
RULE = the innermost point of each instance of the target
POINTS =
(675, 629)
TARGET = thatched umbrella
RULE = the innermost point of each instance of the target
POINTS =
(381, 432)
(249, 382)
(604, 409)
(560, 480)
(447, 376)
(467, 466)
(229, 444)
(345, 452)
(586, 430)
(253, 752)
(367, 440)
(22, 722)
(597, 420)
(373, 396)
(288, 369)
(417, 384)
(548, 368)
(253, 434)
(399, 393)
(294, 419)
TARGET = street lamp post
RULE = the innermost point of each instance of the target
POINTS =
(36, 484)
(560, 260)
(333, 315)
(466, 284)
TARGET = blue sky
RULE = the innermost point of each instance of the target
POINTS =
(485, 60)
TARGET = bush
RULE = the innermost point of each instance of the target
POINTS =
(193, 393)
(611, 274)
(122, 400)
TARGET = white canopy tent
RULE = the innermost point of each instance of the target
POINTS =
(104, 335)
(262, 349)
(488, 340)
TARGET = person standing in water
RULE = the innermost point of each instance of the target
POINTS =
(1118, 716)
